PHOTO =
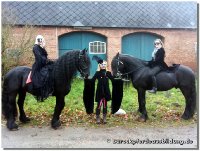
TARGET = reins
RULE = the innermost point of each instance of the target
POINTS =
(127, 73)
(132, 71)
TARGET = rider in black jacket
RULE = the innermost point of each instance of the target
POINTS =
(158, 56)
(41, 82)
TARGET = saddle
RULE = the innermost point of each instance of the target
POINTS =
(173, 68)
(50, 66)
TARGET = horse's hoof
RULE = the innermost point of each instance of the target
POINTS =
(12, 126)
(142, 118)
(186, 117)
(55, 125)
(24, 119)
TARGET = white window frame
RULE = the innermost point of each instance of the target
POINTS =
(97, 46)
(195, 47)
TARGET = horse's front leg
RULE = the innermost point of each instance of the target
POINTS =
(60, 103)
(142, 104)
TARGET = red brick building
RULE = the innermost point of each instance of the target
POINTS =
(106, 28)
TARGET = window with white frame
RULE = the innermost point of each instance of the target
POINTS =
(97, 47)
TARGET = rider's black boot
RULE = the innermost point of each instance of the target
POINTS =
(154, 89)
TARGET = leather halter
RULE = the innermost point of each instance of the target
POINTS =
(79, 68)
(119, 74)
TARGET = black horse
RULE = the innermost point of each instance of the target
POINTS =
(63, 72)
(181, 77)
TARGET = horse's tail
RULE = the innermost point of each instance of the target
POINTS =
(4, 98)
(8, 107)
(188, 87)
(193, 97)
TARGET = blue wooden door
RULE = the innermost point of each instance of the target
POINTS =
(139, 45)
(81, 40)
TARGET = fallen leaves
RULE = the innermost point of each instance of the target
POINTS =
(172, 115)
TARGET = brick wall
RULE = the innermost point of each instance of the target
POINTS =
(179, 43)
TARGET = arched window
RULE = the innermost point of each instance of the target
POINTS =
(97, 47)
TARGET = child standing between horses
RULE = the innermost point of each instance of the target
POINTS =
(102, 92)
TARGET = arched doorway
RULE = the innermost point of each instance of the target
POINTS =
(139, 45)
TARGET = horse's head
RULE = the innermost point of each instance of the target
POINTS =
(84, 63)
(117, 66)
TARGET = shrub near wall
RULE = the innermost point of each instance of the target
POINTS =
(16, 48)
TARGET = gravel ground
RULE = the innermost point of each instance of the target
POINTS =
(115, 137)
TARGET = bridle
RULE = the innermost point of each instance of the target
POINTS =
(120, 75)
(79, 67)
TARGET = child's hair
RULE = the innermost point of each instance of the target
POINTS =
(98, 67)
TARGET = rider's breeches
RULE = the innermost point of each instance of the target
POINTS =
(155, 71)
(154, 81)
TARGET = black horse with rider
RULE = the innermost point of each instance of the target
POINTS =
(47, 78)
(140, 74)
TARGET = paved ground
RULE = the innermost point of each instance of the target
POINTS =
(116, 137)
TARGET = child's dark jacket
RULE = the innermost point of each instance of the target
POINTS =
(102, 90)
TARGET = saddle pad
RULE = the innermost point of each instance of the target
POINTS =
(29, 78)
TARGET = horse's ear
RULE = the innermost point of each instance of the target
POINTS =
(85, 50)
(117, 55)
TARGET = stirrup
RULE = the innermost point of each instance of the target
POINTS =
(154, 90)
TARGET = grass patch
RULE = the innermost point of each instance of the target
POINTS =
(164, 109)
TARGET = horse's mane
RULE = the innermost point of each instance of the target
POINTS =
(65, 66)
(130, 59)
